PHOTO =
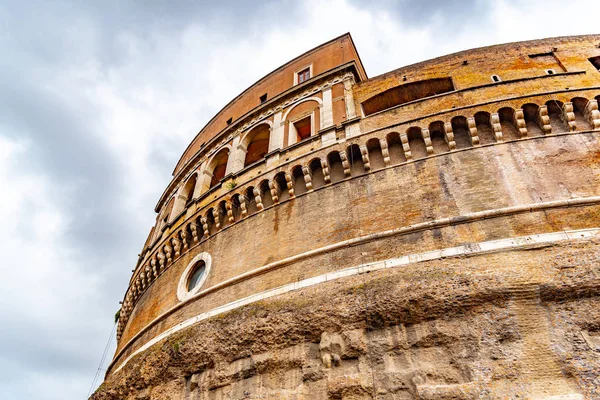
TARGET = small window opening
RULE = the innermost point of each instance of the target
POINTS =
(196, 275)
(304, 75)
(550, 72)
(263, 98)
(496, 78)
(596, 62)
(303, 128)
(229, 121)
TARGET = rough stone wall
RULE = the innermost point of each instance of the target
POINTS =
(520, 324)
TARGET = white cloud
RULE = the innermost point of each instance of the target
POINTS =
(143, 95)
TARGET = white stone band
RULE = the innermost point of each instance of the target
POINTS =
(468, 249)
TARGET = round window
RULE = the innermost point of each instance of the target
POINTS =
(194, 276)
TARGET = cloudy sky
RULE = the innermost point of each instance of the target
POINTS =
(98, 100)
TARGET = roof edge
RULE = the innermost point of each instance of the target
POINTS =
(347, 34)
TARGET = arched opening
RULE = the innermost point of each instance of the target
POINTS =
(250, 201)
(265, 194)
(199, 229)
(579, 104)
(395, 148)
(210, 221)
(218, 166)
(188, 190)
(357, 166)
(416, 143)
(375, 154)
(437, 133)
(316, 169)
(507, 122)
(281, 185)
(555, 108)
(298, 179)
(223, 215)
(462, 137)
(168, 210)
(187, 239)
(236, 207)
(257, 144)
(484, 128)
(406, 93)
(302, 122)
(336, 170)
(598, 98)
(531, 114)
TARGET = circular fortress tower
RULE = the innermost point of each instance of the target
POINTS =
(429, 233)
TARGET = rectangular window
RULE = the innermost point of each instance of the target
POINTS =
(263, 98)
(304, 75)
(596, 62)
(303, 128)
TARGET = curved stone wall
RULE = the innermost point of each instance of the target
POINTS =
(486, 168)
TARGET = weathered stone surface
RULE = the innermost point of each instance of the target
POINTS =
(488, 326)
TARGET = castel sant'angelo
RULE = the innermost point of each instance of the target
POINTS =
(429, 233)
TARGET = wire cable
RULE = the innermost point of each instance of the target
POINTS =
(98, 371)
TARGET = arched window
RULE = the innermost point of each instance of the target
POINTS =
(257, 144)
(164, 217)
(188, 189)
(218, 166)
(301, 122)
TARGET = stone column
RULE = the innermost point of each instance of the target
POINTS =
(236, 157)
(349, 98)
(327, 109)
(277, 131)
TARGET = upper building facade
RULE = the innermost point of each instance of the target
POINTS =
(317, 173)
